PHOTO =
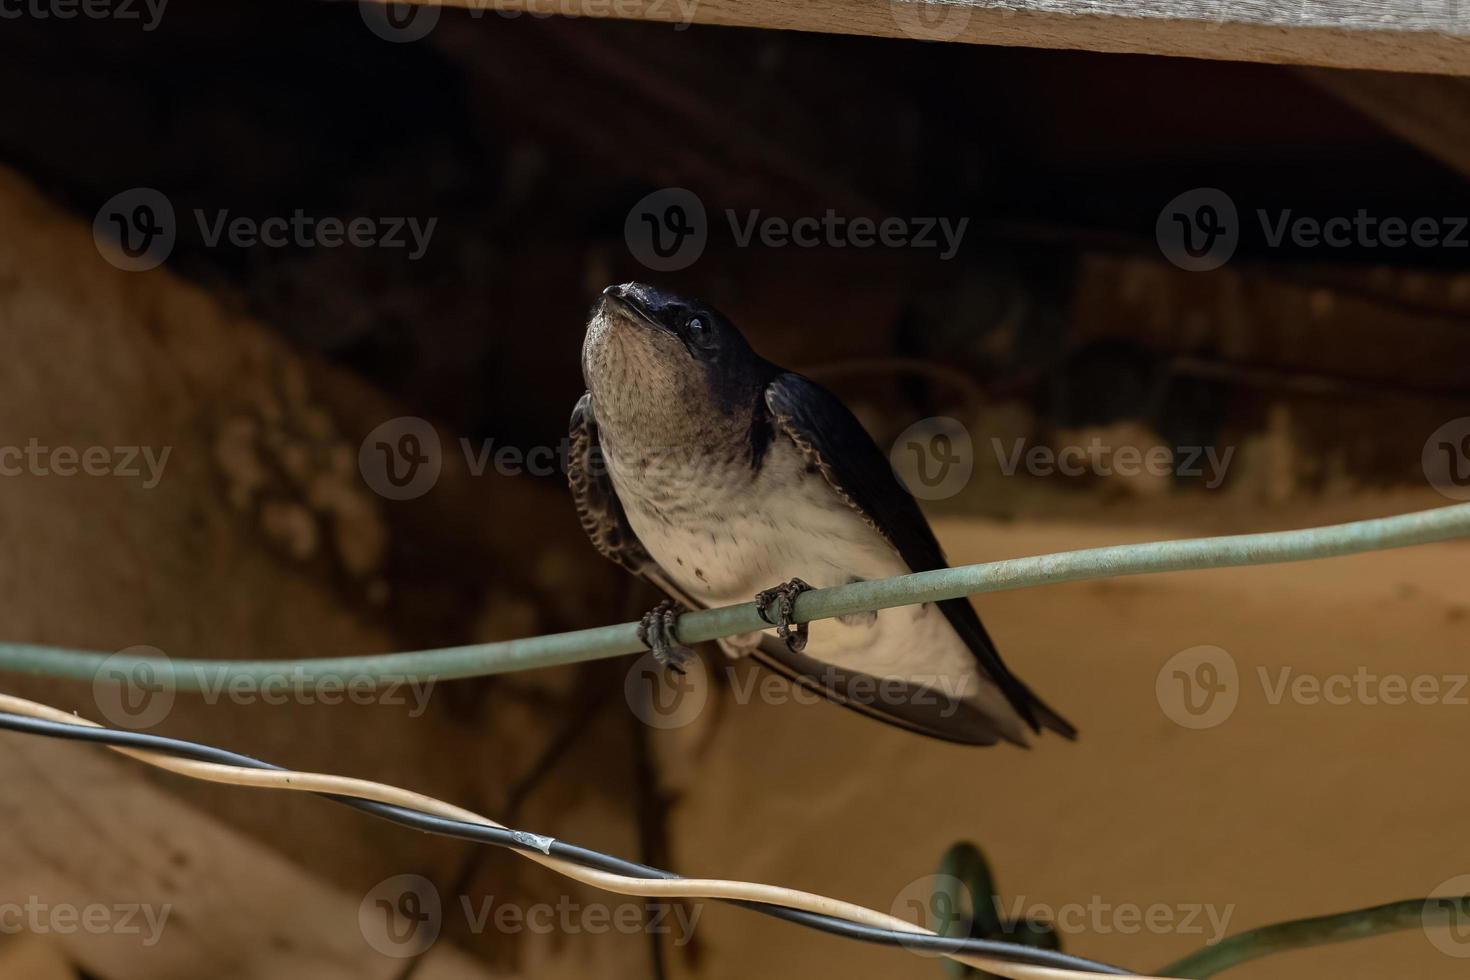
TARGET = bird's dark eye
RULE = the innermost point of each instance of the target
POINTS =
(698, 329)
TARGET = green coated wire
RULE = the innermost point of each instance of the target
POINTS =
(964, 880)
(558, 649)
(1415, 913)
(964, 869)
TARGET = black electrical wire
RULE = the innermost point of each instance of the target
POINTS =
(522, 841)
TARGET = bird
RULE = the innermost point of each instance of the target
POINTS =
(712, 473)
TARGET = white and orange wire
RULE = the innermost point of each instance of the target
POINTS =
(690, 888)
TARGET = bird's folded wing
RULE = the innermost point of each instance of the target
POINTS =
(836, 444)
(598, 507)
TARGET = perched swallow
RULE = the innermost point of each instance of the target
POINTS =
(713, 473)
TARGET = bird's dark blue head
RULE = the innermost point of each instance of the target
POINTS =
(663, 359)
(706, 334)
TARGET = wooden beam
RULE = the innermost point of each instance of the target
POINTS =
(131, 883)
(1430, 112)
(1392, 35)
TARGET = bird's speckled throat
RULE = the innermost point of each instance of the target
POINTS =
(653, 400)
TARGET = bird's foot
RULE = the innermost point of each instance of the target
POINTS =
(783, 597)
(656, 631)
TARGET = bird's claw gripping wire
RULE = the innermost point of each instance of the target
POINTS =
(656, 631)
(783, 597)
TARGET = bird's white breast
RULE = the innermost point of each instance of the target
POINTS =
(733, 534)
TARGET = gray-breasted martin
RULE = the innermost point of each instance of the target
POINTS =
(712, 473)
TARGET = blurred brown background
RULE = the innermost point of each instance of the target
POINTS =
(1315, 374)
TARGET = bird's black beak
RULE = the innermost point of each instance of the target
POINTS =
(628, 300)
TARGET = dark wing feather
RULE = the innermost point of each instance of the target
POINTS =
(598, 507)
(902, 705)
(836, 443)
